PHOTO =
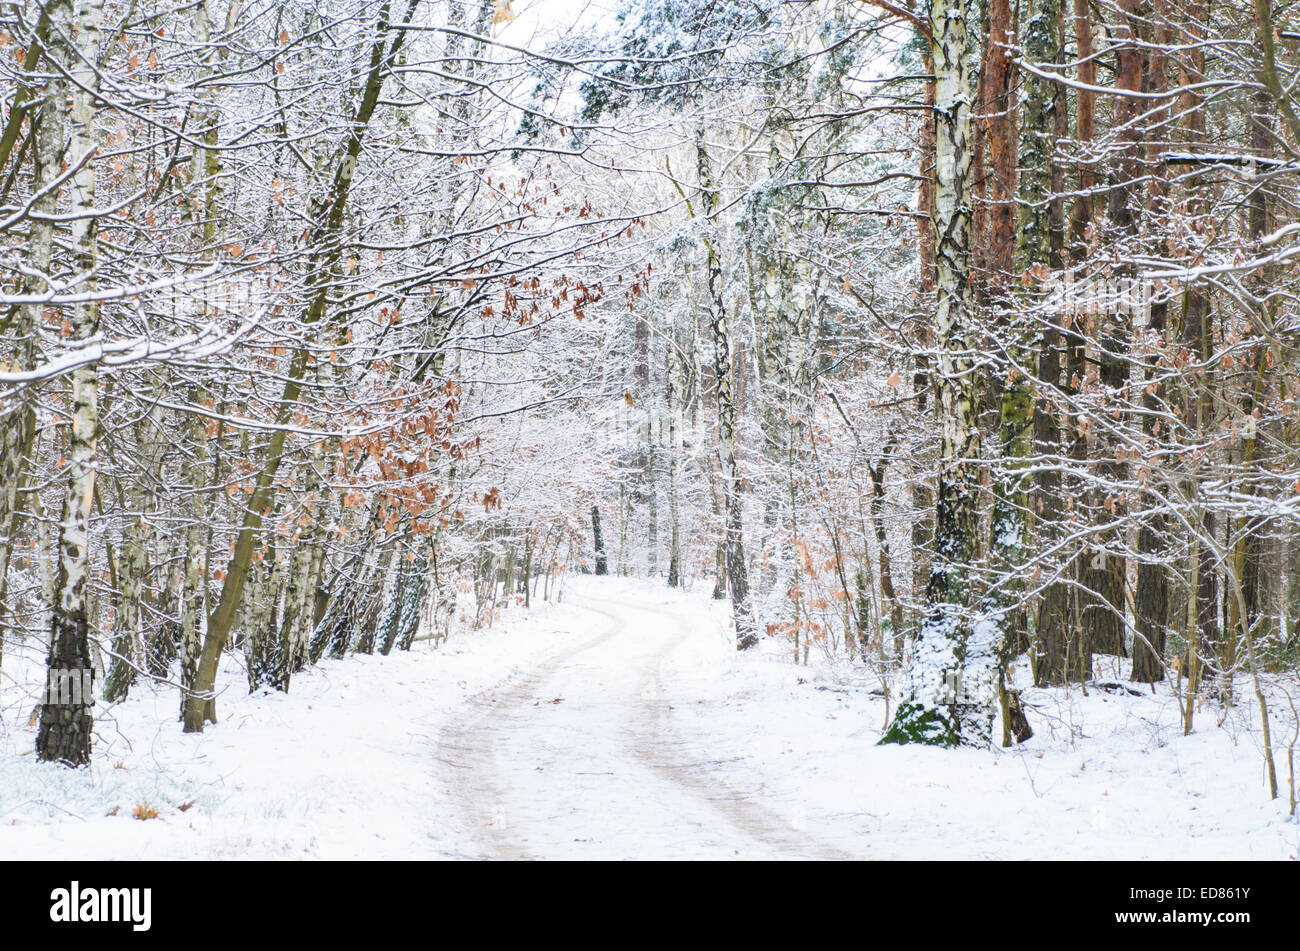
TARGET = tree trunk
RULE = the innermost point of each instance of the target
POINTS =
(1151, 596)
(1061, 652)
(674, 537)
(201, 705)
(1103, 616)
(950, 695)
(733, 532)
(18, 420)
(65, 727)
(887, 590)
(922, 534)
(598, 542)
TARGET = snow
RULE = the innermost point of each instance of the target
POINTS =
(621, 723)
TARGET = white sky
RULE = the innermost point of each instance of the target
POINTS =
(546, 18)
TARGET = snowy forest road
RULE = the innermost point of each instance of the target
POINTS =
(576, 757)
(618, 721)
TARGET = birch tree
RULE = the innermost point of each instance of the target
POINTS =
(953, 669)
(65, 722)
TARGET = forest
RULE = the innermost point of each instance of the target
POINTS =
(944, 349)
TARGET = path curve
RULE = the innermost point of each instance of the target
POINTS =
(576, 757)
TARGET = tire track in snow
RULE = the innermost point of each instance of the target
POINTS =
(511, 710)
(662, 751)
(466, 744)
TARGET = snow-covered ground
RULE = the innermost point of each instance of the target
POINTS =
(621, 724)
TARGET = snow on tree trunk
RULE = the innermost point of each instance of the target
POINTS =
(66, 719)
(192, 606)
(128, 651)
(953, 674)
(324, 231)
(733, 531)
(17, 417)
(674, 468)
(598, 542)
(1009, 524)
